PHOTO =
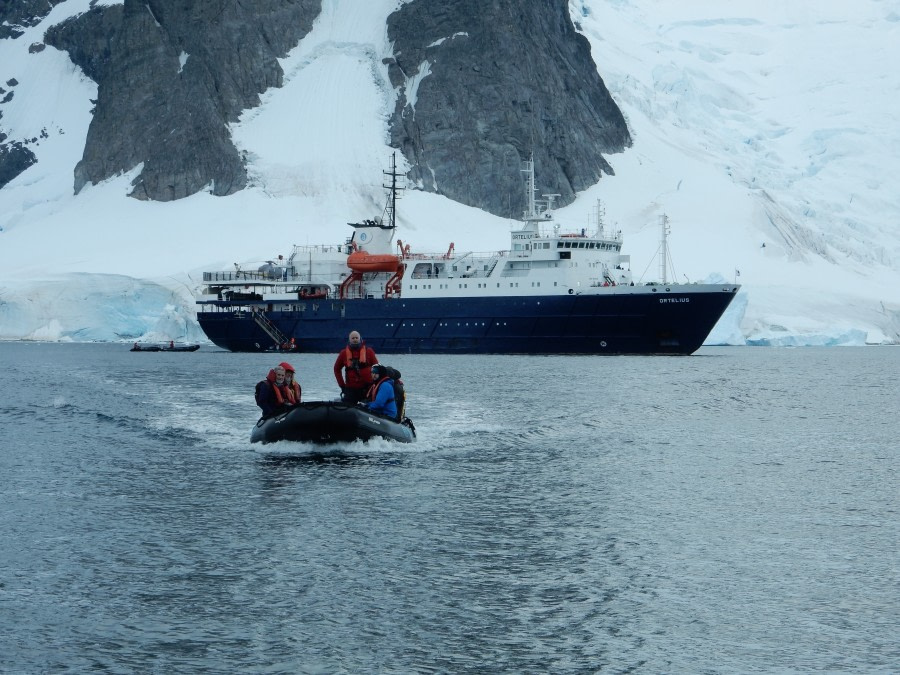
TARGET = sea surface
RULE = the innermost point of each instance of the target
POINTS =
(730, 512)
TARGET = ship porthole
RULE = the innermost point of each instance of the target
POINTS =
(571, 290)
(602, 343)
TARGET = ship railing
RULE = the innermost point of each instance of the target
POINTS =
(320, 248)
(474, 265)
(239, 276)
(354, 292)
(453, 259)
(604, 233)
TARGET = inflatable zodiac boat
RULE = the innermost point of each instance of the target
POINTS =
(330, 422)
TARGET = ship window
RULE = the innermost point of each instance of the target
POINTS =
(559, 244)
(421, 270)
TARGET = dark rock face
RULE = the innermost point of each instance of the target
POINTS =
(15, 156)
(19, 14)
(170, 75)
(14, 159)
(507, 77)
(481, 85)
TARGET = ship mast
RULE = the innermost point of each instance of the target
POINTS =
(390, 209)
(531, 214)
(663, 246)
(530, 190)
(601, 212)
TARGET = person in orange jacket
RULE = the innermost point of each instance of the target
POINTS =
(353, 369)
(290, 383)
(273, 394)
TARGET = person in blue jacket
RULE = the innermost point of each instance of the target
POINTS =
(381, 393)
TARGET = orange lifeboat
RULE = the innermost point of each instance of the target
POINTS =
(360, 261)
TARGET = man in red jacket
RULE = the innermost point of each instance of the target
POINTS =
(353, 369)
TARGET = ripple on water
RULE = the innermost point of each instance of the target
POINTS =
(556, 515)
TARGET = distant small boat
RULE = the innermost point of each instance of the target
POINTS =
(164, 348)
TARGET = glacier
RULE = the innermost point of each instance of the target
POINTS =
(765, 131)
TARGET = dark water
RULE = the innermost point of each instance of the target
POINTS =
(734, 511)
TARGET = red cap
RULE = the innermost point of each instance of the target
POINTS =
(287, 366)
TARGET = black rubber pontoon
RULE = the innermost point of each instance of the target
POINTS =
(330, 422)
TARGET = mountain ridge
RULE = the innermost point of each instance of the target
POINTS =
(767, 134)
(172, 75)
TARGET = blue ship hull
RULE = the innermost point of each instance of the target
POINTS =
(614, 323)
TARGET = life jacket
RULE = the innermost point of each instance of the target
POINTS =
(357, 369)
(283, 393)
(292, 392)
(373, 390)
(399, 397)
(355, 364)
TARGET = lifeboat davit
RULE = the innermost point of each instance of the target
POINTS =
(360, 261)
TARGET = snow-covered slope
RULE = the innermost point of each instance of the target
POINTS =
(765, 130)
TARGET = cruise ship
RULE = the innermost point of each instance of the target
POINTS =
(551, 292)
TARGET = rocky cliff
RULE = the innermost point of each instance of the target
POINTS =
(171, 74)
(481, 84)
(15, 15)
